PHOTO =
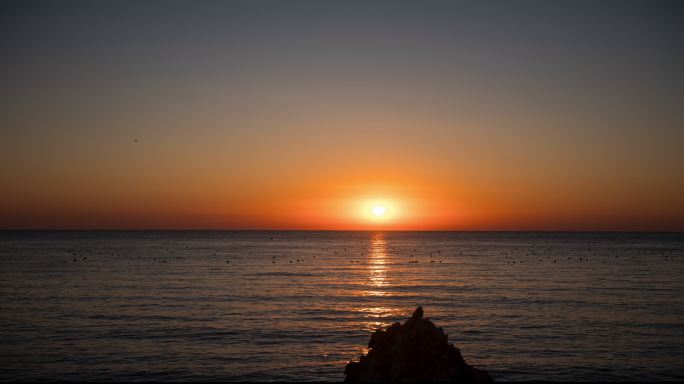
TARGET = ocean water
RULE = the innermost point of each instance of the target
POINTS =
(267, 306)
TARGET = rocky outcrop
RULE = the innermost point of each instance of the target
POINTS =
(414, 351)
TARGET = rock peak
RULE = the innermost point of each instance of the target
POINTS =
(418, 313)
(414, 351)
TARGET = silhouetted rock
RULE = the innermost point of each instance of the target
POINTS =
(415, 351)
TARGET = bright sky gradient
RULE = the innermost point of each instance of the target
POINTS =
(507, 115)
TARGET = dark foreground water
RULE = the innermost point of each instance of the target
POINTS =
(299, 305)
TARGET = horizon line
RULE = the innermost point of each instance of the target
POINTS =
(334, 230)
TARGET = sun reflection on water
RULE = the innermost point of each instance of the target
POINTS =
(377, 313)
(377, 267)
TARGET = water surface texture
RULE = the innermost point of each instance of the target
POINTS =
(299, 305)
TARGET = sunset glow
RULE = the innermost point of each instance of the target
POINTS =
(267, 121)
(248, 190)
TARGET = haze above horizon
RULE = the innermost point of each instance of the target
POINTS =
(435, 115)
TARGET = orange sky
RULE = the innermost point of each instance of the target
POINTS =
(455, 118)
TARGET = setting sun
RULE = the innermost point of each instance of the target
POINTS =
(379, 210)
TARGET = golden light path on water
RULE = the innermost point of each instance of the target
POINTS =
(377, 267)
(378, 284)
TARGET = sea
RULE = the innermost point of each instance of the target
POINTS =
(299, 305)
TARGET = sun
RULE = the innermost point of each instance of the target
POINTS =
(379, 210)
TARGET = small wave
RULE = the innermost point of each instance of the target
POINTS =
(288, 274)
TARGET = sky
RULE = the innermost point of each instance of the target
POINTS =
(452, 115)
